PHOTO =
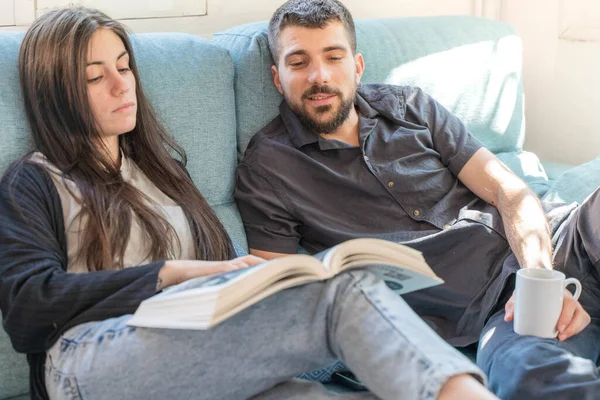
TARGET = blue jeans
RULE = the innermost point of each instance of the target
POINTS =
(353, 317)
(530, 368)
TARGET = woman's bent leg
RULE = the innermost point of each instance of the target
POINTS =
(353, 317)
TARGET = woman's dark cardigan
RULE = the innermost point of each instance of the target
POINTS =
(39, 300)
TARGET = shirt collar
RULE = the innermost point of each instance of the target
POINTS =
(301, 135)
(364, 108)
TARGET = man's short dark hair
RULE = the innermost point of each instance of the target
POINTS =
(309, 14)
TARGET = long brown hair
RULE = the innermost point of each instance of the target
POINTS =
(52, 63)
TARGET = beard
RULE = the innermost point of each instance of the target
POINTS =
(322, 126)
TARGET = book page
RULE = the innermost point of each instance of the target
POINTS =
(375, 251)
(196, 303)
(402, 268)
(400, 280)
(224, 311)
(252, 279)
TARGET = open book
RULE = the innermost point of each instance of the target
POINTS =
(204, 302)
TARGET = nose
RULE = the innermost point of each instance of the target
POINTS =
(120, 85)
(319, 74)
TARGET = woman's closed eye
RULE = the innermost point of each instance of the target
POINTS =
(99, 77)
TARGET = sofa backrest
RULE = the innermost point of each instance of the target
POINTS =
(14, 135)
(471, 65)
(189, 81)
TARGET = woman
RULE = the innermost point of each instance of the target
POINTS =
(88, 220)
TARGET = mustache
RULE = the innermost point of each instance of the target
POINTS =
(321, 89)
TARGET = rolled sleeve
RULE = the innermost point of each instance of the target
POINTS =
(450, 136)
(268, 223)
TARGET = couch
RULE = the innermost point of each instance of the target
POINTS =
(213, 95)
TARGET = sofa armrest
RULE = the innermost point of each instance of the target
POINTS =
(555, 169)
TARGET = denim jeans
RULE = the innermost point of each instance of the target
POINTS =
(530, 368)
(353, 317)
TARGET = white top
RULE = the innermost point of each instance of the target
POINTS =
(138, 248)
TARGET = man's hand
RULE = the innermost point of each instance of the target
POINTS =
(573, 318)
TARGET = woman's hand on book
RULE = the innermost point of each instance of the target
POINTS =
(177, 271)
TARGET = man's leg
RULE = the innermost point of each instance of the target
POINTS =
(530, 368)
(526, 367)
(577, 241)
(353, 317)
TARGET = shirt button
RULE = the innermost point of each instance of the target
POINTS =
(446, 226)
(390, 184)
(479, 218)
(416, 213)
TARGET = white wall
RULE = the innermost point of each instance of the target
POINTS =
(561, 42)
(223, 14)
(561, 73)
(7, 12)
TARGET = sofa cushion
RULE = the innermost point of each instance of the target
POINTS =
(471, 65)
(15, 140)
(15, 133)
(554, 168)
(528, 166)
(576, 183)
(14, 372)
(189, 81)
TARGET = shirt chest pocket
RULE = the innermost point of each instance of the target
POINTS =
(407, 164)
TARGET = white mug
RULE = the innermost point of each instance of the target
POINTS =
(539, 296)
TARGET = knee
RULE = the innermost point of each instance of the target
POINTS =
(539, 370)
(511, 379)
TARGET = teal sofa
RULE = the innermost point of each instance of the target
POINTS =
(213, 95)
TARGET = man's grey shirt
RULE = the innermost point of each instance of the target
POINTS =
(296, 188)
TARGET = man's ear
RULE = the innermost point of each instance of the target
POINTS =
(276, 80)
(359, 61)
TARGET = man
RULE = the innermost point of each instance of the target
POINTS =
(344, 160)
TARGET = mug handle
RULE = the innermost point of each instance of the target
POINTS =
(573, 281)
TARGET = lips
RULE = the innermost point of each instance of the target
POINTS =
(124, 107)
(320, 96)
(320, 99)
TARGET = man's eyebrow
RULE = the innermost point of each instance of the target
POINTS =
(325, 50)
(333, 48)
(102, 62)
(295, 53)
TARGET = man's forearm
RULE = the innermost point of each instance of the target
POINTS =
(526, 226)
(524, 220)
